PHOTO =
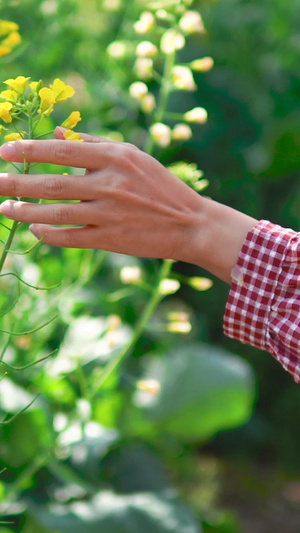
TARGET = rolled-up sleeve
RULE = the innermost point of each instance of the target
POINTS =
(263, 307)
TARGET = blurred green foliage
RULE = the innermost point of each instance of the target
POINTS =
(122, 459)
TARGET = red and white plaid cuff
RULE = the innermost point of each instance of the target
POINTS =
(263, 307)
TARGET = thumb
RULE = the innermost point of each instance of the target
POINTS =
(59, 134)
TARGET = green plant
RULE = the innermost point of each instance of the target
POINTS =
(117, 404)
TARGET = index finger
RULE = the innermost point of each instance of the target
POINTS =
(61, 152)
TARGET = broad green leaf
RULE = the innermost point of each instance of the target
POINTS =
(135, 468)
(203, 390)
(112, 513)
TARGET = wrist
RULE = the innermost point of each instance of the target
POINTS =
(215, 237)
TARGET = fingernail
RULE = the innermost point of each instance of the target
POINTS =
(7, 208)
(8, 151)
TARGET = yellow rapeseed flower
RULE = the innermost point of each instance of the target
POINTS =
(2, 128)
(9, 95)
(61, 90)
(14, 136)
(6, 26)
(34, 86)
(19, 84)
(5, 109)
(47, 97)
(70, 135)
(4, 50)
(13, 39)
(72, 121)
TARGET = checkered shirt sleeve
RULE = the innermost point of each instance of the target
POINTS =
(263, 308)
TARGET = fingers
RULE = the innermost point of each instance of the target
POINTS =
(68, 153)
(60, 214)
(47, 186)
(84, 237)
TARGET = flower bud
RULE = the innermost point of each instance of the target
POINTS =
(161, 134)
(171, 41)
(179, 327)
(148, 103)
(202, 65)
(182, 79)
(145, 24)
(197, 115)
(130, 274)
(182, 132)
(152, 386)
(169, 286)
(138, 90)
(200, 284)
(191, 22)
(144, 68)
(146, 49)
(117, 49)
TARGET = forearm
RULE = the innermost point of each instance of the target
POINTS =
(216, 236)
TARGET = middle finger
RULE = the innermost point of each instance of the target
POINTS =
(47, 186)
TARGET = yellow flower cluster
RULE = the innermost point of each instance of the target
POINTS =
(33, 100)
(9, 37)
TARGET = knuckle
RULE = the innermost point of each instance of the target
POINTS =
(69, 239)
(52, 188)
(60, 214)
(19, 211)
(27, 149)
(12, 186)
(62, 150)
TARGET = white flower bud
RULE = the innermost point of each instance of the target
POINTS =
(161, 134)
(179, 327)
(200, 284)
(162, 14)
(169, 286)
(113, 322)
(138, 90)
(152, 386)
(146, 49)
(182, 79)
(182, 132)
(144, 68)
(117, 49)
(130, 274)
(146, 23)
(148, 103)
(171, 40)
(197, 114)
(202, 65)
(191, 22)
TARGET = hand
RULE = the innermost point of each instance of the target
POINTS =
(127, 201)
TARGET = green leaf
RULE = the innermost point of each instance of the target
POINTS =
(203, 390)
(135, 468)
(106, 511)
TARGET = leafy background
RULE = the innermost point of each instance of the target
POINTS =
(218, 448)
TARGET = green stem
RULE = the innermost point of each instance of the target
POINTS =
(163, 97)
(166, 265)
(153, 302)
(8, 244)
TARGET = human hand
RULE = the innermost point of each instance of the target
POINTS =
(127, 202)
